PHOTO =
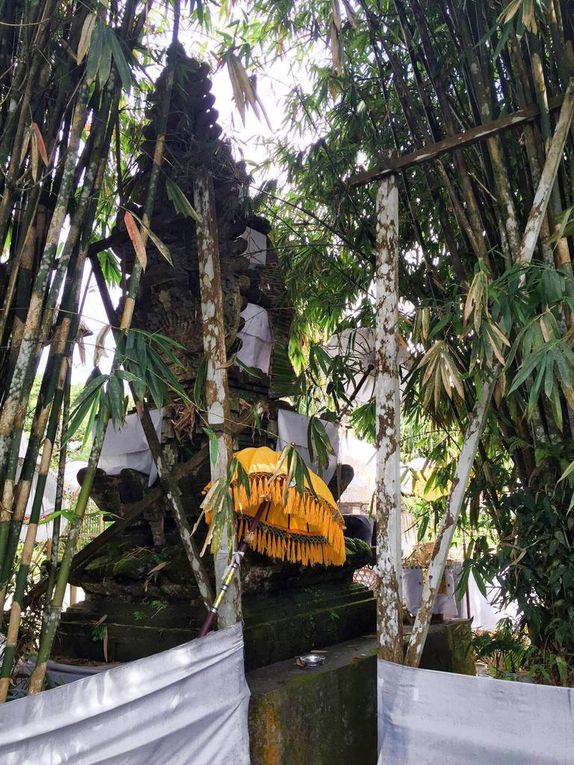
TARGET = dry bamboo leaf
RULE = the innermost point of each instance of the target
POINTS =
(137, 241)
(25, 144)
(85, 37)
(100, 350)
(244, 91)
(336, 39)
(161, 247)
(238, 95)
(435, 348)
(437, 386)
(454, 375)
(159, 567)
(105, 644)
(429, 371)
(41, 144)
(351, 15)
(500, 388)
(445, 376)
(499, 334)
(424, 324)
(34, 156)
(568, 395)
(81, 349)
(474, 300)
(547, 333)
(496, 349)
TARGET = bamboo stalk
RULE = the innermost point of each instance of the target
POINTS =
(37, 677)
(477, 419)
(59, 499)
(30, 539)
(216, 387)
(449, 521)
(388, 482)
(65, 334)
(21, 376)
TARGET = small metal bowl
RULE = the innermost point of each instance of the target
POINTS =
(311, 660)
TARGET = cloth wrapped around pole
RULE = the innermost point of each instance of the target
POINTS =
(182, 706)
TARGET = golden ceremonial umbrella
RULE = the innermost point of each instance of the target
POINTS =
(279, 519)
(298, 527)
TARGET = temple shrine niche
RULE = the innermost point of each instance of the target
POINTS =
(139, 584)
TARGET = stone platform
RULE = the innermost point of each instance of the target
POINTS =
(278, 625)
(328, 715)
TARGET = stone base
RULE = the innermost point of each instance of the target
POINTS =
(278, 625)
(328, 715)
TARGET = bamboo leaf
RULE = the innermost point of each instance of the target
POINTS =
(34, 157)
(100, 350)
(95, 52)
(213, 444)
(161, 246)
(85, 36)
(119, 58)
(180, 201)
(40, 144)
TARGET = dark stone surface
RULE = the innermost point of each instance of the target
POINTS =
(277, 625)
(328, 715)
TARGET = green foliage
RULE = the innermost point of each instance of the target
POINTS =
(510, 655)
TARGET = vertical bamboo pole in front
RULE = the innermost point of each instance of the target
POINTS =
(216, 388)
(388, 484)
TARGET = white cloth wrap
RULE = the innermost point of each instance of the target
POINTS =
(438, 718)
(127, 447)
(293, 428)
(185, 705)
(256, 250)
(256, 337)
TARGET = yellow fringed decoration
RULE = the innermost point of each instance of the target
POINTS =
(306, 528)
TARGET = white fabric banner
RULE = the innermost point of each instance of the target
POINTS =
(293, 429)
(184, 706)
(127, 447)
(256, 337)
(439, 718)
(256, 250)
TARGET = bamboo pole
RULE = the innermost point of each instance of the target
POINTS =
(448, 525)
(216, 388)
(477, 419)
(65, 333)
(37, 677)
(21, 377)
(30, 540)
(388, 482)
(543, 193)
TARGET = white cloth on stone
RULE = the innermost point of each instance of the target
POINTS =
(127, 447)
(441, 718)
(293, 428)
(256, 337)
(256, 251)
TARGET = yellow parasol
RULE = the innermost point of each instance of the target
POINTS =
(299, 527)
(277, 519)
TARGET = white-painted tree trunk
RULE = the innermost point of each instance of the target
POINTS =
(388, 482)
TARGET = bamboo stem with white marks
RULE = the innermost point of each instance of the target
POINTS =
(216, 388)
(388, 484)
